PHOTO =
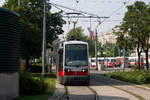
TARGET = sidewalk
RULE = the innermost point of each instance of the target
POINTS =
(59, 92)
(107, 92)
(133, 88)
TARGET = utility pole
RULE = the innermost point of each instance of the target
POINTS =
(124, 53)
(96, 49)
(74, 26)
(44, 39)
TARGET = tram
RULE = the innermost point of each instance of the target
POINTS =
(72, 62)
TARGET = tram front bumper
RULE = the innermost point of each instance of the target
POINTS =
(77, 78)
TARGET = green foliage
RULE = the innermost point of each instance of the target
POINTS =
(91, 48)
(77, 33)
(134, 67)
(134, 31)
(37, 68)
(131, 30)
(138, 77)
(50, 80)
(31, 19)
(110, 49)
(55, 46)
(29, 85)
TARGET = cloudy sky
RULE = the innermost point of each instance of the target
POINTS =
(114, 9)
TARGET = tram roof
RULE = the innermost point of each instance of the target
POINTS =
(75, 42)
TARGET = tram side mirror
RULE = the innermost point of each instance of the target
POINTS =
(60, 52)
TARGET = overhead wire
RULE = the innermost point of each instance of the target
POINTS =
(116, 11)
(69, 20)
(57, 7)
(75, 10)
(99, 22)
(63, 11)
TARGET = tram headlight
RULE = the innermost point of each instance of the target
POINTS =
(84, 70)
(67, 70)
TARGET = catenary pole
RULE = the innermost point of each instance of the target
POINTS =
(124, 54)
(44, 39)
(96, 49)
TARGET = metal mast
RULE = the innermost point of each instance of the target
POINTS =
(96, 47)
(44, 39)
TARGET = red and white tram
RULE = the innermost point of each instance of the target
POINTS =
(72, 62)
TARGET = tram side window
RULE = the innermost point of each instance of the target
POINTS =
(61, 57)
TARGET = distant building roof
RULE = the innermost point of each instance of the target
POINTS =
(107, 37)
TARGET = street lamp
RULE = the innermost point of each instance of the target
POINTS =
(44, 39)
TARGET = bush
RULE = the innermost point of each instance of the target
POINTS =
(134, 67)
(29, 85)
(37, 68)
(138, 77)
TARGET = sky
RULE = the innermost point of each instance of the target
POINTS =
(1, 2)
(114, 9)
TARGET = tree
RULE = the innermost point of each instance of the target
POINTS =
(110, 49)
(146, 33)
(76, 33)
(133, 30)
(91, 48)
(31, 12)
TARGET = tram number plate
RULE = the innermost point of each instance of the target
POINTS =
(76, 69)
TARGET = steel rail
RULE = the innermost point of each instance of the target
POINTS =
(66, 94)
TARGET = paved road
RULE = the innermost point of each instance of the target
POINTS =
(107, 92)
(80, 93)
(112, 85)
(107, 89)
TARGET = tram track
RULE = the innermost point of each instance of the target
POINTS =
(96, 95)
(79, 93)
(65, 96)
(138, 92)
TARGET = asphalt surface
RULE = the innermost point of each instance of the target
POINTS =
(108, 92)
(80, 93)
(107, 82)
(106, 89)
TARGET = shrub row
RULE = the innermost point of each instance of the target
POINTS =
(28, 85)
(138, 77)
(37, 68)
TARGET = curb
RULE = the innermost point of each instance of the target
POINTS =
(59, 92)
(96, 95)
(136, 85)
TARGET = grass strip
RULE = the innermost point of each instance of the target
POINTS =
(147, 85)
(50, 79)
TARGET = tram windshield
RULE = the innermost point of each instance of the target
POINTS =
(76, 55)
